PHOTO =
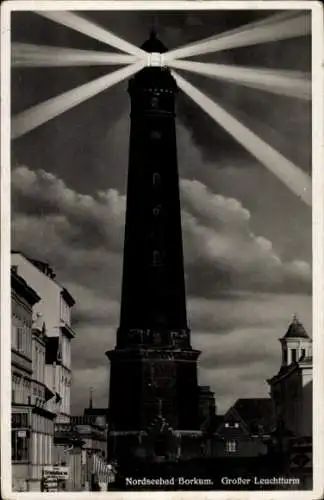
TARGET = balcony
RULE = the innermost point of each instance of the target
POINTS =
(67, 329)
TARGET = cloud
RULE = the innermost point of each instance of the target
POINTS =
(240, 293)
(254, 310)
(90, 221)
(220, 247)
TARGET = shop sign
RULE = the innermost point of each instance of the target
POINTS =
(56, 471)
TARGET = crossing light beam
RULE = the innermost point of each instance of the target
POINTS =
(155, 59)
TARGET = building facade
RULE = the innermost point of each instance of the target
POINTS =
(291, 390)
(23, 298)
(53, 309)
(153, 365)
(50, 386)
(44, 411)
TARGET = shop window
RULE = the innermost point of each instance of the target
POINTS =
(20, 445)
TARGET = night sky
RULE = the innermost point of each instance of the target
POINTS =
(247, 238)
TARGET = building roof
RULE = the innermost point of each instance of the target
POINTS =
(20, 286)
(255, 412)
(296, 330)
(45, 268)
(67, 297)
(154, 44)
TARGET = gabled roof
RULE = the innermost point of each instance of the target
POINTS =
(296, 330)
(22, 288)
(256, 413)
(232, 417)
(45, 268)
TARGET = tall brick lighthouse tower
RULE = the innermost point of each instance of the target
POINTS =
(153, 401)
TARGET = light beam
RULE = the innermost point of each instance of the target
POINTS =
(78, 23)
(267, 21)
(41, 113)
(25, 55)
(292, 176)
(287, 83)
(246, 36)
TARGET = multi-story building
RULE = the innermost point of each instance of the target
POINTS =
(53, 309)
(92, 426)
(44, 402)
(34, 404)
(291, 390)
(23, 298)
(51, 360)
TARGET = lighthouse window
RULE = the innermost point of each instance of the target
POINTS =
(155, 134)
(156, 179)
(156, 211)
(156, 258)
(155, 102)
